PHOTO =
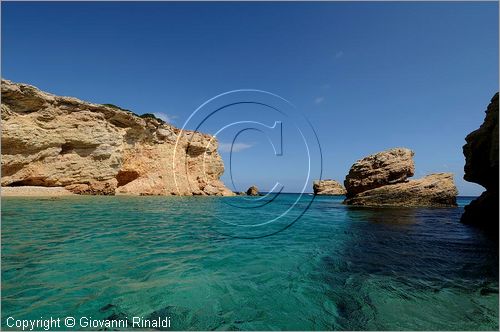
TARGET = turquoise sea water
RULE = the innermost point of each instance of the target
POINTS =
(337, 267)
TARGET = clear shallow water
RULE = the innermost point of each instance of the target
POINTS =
(336, 268)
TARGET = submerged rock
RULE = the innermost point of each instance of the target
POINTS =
(380, 169)
(381, 179)
(481, 167)
(432, 190)
(95, 149)
(328, 187)
(253, 191)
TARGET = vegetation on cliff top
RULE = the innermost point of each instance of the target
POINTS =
(144, 116)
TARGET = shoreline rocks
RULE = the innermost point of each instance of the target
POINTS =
(481, 167)
(95, 149)
(381, 180)
(253, 191)
(328, 187)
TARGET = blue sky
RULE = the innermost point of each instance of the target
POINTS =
(368, 76)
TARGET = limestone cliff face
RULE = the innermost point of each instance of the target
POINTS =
(88, 148)
(481, 166)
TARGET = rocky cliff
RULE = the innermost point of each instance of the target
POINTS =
(328, 187)
(381, 179)
(481, 166)
(88, 148)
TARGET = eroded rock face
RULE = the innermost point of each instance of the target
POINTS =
(253, 191)
(88, 148)
(328, 187)
(481, 150)
(481, 166)
(382, 180)
(380, 169)
(432, 190)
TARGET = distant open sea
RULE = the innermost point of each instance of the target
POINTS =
(336, 268)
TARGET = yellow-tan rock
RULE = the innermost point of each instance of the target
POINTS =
(380, 169)
(253, 191)
(433, 190)
(328, 187)
(381, 179)
(87, 148)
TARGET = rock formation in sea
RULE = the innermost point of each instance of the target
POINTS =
(431, 190)
(380, 169)
(481, 167)
(381, 179)
(253, 191)
(328, 187)
(89, 148)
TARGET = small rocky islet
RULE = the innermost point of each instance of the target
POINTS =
(381, 179)
(328, 187)
(253, 191)
(84, 148)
